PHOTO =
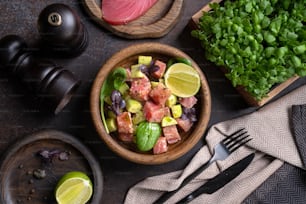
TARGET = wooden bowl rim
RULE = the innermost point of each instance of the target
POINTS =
(133, 50)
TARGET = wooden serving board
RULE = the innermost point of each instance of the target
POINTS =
(155, 23)
(194, 21)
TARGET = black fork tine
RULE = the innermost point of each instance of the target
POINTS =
(229, 136)
(238, 143)
(235, 140)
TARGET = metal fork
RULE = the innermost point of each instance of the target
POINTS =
(221, 151)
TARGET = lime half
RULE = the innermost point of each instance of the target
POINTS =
(74, 188)
(183, 80)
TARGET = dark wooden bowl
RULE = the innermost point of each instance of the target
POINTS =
(17, 181)
(125, 58)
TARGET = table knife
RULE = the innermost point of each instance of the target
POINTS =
(220, 180)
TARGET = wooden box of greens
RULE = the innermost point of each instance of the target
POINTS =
(260, 45)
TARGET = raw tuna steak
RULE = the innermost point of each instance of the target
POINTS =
(119, 12)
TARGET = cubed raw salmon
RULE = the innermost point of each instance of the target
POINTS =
(124, 123)
(188, 102)
(140, 88)
(154, 112)
(160, 94)
(160, 146)
(126, 137)
(184, 125)
(162, 68)
(171, 134)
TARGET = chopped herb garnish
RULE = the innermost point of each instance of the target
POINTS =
(49, 155)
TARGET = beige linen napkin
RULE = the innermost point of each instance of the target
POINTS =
(272, 141)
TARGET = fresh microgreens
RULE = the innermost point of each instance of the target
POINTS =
(260, 42)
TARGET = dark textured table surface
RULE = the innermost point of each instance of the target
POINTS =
(18, 118)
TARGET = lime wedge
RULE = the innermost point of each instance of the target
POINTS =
(74, 188)
(183, 80)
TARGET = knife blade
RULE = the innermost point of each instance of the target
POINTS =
(214, 184)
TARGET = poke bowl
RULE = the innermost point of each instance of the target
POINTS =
(133, 98)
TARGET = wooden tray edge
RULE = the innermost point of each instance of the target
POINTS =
(274, 92)
(194, 21)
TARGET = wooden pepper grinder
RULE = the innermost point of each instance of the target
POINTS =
(62, 31)
(52, 84)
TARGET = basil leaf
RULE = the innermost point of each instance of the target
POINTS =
(118, 77)
(147, 133)
(112, 82)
